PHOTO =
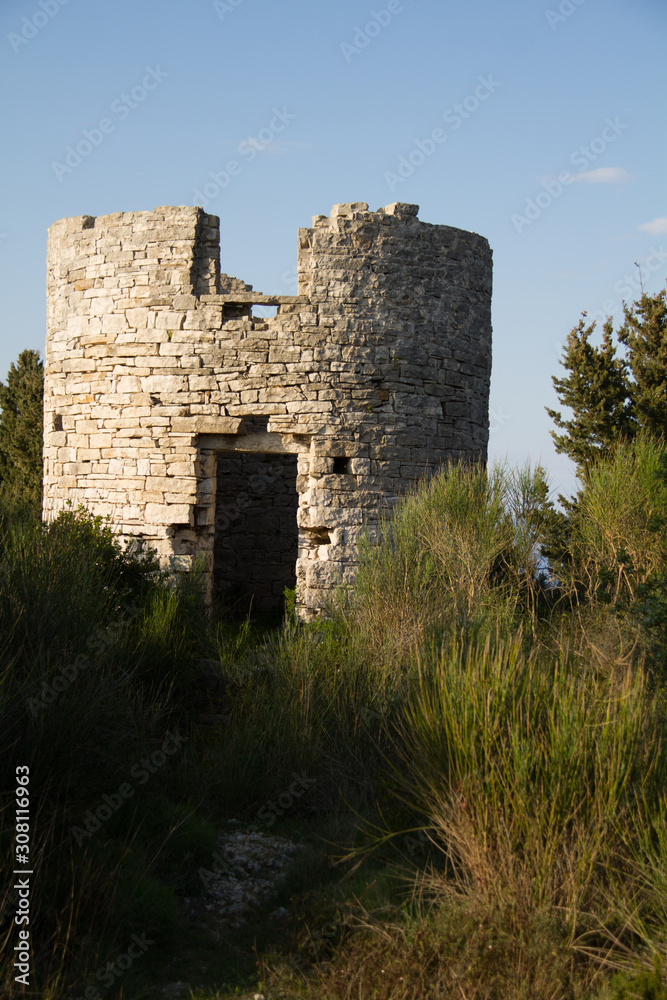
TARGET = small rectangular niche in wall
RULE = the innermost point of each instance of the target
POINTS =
(317, 535)
(264, 312)
(255, 425)
(341, 466)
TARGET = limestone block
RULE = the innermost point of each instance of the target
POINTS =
(320, 465)
(78, 440)
(181, 563)
(205, 488)
(180, 498)
(163, 383)
(100, 440)
(173, 483)
(78, 364)
(128, 383)
(132, 513)
(349, 209)
(206, 425)
(176, 467)
(310, 406)
(77, 469)
(169, 514)
(165, 320)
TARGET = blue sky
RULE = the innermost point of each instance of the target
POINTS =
(539, 124)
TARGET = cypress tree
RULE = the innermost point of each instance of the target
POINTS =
(21, 430)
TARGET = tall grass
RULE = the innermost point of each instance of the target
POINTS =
(450, 688)
(531, 772)
(617, 540)
(307, 700)
(610, 552)
(542, 786)
(540, 778)
(460, 552)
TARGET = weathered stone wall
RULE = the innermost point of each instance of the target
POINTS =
(155, 365)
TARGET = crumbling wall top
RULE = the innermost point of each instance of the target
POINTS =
(357, 211)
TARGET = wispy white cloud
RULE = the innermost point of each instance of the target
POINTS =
(656, 228)
(603, 175)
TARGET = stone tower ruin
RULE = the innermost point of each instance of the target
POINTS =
(261, 445)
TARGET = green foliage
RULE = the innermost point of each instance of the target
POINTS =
(640, 985)
(525, 765)
(459, 553)
(21, 429)
(289, 595)
(596, 390)
(540, 783)
(80, 625)
(608, 554)
(644, 334)
(63, 582)
(614, 546)
(449, 689)
(611, 397)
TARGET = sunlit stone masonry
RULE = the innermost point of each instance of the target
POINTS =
(261, 445)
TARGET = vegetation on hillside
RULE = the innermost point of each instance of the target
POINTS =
(479, 735)
(484, 750)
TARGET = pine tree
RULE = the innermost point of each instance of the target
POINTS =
(21, 431)
(644, 334)
(599, 393)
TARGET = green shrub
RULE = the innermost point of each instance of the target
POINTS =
(93, 637)
(62, 581)
(615, 543)
(460, 552)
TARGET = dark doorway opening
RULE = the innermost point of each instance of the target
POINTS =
(256, 533)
